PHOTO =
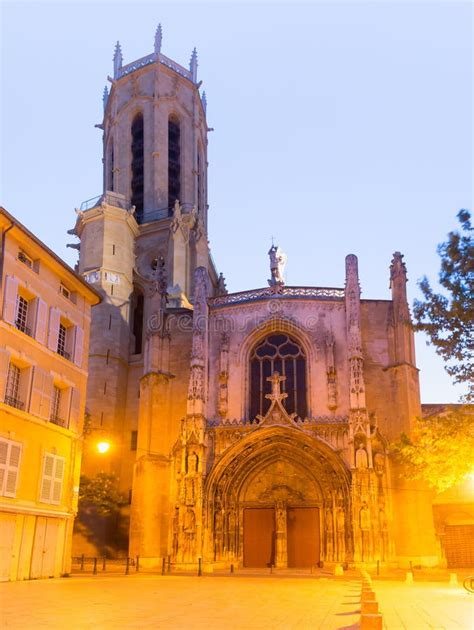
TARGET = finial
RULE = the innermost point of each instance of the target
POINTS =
(158, 39)
(398, 268)
(105, 97)
(204, 102)
(118, 59)
(193, 64)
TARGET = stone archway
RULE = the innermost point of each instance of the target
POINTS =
(287, 486)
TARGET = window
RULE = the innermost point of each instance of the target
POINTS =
(138, 322)
(138, 157)
(22, 315)
(56, 407)
(12, 391)
(278, 353)
(25, 259)
(10, 456)
(174, 163)
(133, 440)
(64, 291)
(62, 337)
(52, 479)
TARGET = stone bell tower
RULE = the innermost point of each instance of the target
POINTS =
(147, 228)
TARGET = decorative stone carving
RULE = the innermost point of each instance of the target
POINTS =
(331, 373)
(222, 404)
(361, 457)
(197, 388)
(277, 266)
(221, 286)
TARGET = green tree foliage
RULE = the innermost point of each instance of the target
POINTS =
(449, 321)
(101, 492)
(439, 450)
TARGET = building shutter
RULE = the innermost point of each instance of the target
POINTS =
(47, 395)
(74, 420)
(41, 320)
(36, 403)
(78, 346)
(9, 303)
(54, 318)
(47, 478)
(10, 455)
(57, 480)
(12, 470)
(4, 361)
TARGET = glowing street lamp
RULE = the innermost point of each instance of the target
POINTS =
(103, 446)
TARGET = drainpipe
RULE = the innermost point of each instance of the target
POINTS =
(2, 261)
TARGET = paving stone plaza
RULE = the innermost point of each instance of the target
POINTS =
(237, 601)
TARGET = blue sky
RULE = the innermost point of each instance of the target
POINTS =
(338, 128)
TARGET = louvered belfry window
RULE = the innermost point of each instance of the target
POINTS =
(174, 162)
(138, 161)
(278, 353)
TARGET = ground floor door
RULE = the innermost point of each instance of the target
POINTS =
(45, 547)
(259, 537)
(459, 545)
(303, 536)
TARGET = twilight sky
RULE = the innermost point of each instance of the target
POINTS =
(339, 127)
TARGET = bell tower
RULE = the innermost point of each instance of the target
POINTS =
(150, 219)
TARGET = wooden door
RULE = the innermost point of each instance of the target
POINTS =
(44, 548)
(459, 546)
(303, 537)
(259, 537)
(7, 540)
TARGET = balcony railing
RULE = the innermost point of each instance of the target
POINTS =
(14, 402)
(109, 197)
(57, 420)
(23, 328)
(319, 293)
(63, 353)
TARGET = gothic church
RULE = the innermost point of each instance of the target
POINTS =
(249, 428)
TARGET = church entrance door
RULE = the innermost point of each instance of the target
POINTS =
(259, 536)
(303, 536)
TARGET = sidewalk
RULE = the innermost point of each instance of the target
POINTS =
(281, 602)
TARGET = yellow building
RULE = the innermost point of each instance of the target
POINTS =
(45, 312)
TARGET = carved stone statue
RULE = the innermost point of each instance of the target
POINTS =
(361, 457)
(340, 534)
(277, 266)
(189, 533)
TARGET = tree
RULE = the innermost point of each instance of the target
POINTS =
(449, 321)
(439, 450)
(101, 492)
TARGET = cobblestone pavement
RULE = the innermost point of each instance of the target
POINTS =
(142, 601)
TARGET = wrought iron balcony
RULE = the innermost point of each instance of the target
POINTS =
(23, 328)
(57, 420)
(63, 353)
(14, 402)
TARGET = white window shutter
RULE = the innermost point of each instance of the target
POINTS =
(58, 480)
(9, 302)
(74, 423)
(54, 319)
(41, 320)
(36, 401)
(4, 361)
(12, 470)
(47, 395)
(3, 465)
(78, 346)
(47, 478)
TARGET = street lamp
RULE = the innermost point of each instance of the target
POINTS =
(103, 446)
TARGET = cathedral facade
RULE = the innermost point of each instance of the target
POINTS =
(250, 428)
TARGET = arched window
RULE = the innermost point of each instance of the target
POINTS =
(278, 353)
(174, 162)
(137, 165)
(110, 183)
(138, 308)
(199, 181)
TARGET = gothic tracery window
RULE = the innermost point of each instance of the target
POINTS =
(138, 158)
(278, 353)
(174, 162)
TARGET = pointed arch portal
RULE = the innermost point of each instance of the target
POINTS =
(276, 498)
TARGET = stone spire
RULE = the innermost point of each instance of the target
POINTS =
(105, 97)
(204, 102)
(398, 282)
(193, 64)
(197, 386)
(354, 338)
(158, 39)
(118, 59)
